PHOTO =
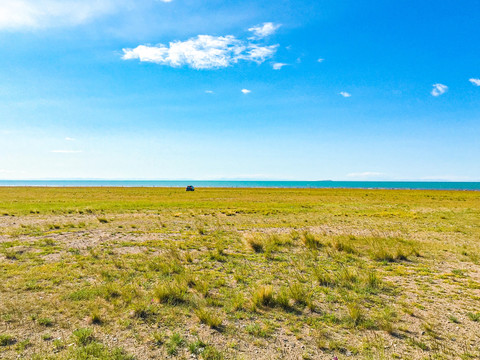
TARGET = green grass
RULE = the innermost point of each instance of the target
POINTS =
(110, 273)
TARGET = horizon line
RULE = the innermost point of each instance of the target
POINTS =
(242, 180)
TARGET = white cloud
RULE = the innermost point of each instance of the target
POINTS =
(65, 151)
(439, 89)
(209, 91)
(69, 139)
(32, 14)
(345, 94)
(475, 82)
(321, 60)
(246, 91)
(202, 52)
(264, 30)
(278, 66)
(365, 174)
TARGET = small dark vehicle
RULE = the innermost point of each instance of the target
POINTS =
(190, 188)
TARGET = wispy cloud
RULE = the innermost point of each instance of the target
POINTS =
(66, 151)
(246, 91)
(69, 139)
(32, 14)
(264, 30)
(208, 91)
(320, 60)
(345, 94)
(475, 82)
(278, 66)
(202, 52)
(439, 89)
(365, 174)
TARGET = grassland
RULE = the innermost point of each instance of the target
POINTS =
(140, 273)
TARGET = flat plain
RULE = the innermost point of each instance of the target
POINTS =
(153, 273)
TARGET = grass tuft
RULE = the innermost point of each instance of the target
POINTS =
(171, 292)
(83, 336)
(324, 277)
(255, 242)
(310, 241)
(210, 353)
(263, 296)
(474, 316)
(209, 317)
(45, 322)
(300, 295)
(95, 318)
(174, 344)
(355, 314)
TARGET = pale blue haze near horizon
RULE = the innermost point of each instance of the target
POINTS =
(341, 90)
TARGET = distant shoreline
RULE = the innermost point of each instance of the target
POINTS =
(325, 184)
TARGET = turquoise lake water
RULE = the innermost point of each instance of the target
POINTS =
(252, 184)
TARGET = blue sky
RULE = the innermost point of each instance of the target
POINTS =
(184, 89)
